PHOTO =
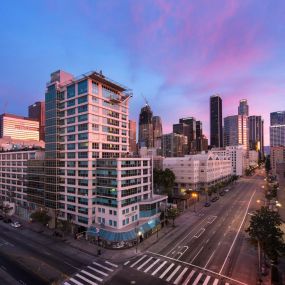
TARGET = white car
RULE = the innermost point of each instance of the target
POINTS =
(16, 225)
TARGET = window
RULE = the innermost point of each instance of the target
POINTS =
(71, 138)
(110, 223)
(82, 99)
(94, 87)
(70, 103)
(83, 108)
(95, 145)
(115, 223)
(71, 155)
(70, 111)
(83, 136)
(71, 129)
(71, 146)
(82, 87)
(82, 118)
(82, 154)
(71, 91)
(70, 120)
(83, 145)
(95, 127)
(82, 127)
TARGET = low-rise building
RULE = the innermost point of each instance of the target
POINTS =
(253, 158)
(174, 145)
(194, 172)
(277, 154)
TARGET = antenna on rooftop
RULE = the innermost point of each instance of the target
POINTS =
(146, 102)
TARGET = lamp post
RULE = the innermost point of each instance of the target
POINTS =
(195, 195)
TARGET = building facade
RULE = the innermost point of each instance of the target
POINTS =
(277, 118)
(174, 145)
(256, 134)
(132, 136)
(157, 131)
(37, 112)
(216, 121)
(236, 130)
(18, 127)
(277, 155)
(199, 171)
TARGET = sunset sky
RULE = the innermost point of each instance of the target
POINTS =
(175, 53)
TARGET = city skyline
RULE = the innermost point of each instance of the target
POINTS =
(180, 52)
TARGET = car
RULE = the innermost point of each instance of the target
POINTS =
(207, 204)
(15, 225)
(227, 190)
(214, 199)
(7, 221)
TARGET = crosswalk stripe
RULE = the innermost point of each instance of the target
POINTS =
(127, 262)
(173, 273)
(227, 283)
(75, 281)
(91, 275)
(216, 281)
(66, 283)
(99, 271)
(158, 268)
(197, 278)
(180, 276)
(189, 277)
(112, 264)
(102, 266)
(151, 266)
(85, 279)
(207, 280)
(138, 261)
(167, 269)
(146, 262)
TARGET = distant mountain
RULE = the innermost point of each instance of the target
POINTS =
(267, 150)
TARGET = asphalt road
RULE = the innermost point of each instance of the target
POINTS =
(28, 258)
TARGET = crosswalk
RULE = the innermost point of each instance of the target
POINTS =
(92, 274)
(172, 272)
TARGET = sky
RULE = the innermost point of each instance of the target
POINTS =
(174, 53)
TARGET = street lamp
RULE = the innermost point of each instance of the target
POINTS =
(195, 195)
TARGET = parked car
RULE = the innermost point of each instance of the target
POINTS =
(15, 225)
(7, 221)
(214, 199)
(227, 190)
(207, 204)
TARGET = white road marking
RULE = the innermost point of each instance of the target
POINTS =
(197, 254)
(181, 253)
(166, 270)
(66, 283)
(212, 219)
(85, 279)
(152, 265)
(142, 265)
(138, 261)
(197, 278)
(189, 277)
(199, 267)
(216, 281)
(112, 264)
(227, 283)
(179, 276)
(75, 281)
(102, 266)
(207, 280)
(237, 233)
(127, 262)
(98, 271)
(158, 268)
(199, 233)
(91, 275)
(173, 273)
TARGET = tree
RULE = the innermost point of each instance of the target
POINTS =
(264, 229)
(5, 209)
(267, 164)
(168, 179)
(41, 217)
(172, 213)
(157, 178)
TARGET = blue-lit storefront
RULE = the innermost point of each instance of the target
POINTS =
(118, 239)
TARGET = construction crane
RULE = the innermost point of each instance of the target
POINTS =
(146, 102)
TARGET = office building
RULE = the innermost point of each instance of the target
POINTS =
(132, 136)
(37, 112)
(277, 118)
(157, 131)
(18, 127)
(174, 145)
(236, 130)
(145, 127)
(216, 121)
(243, 108)
(256, 135)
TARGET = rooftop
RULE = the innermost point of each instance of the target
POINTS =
(17, 117)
